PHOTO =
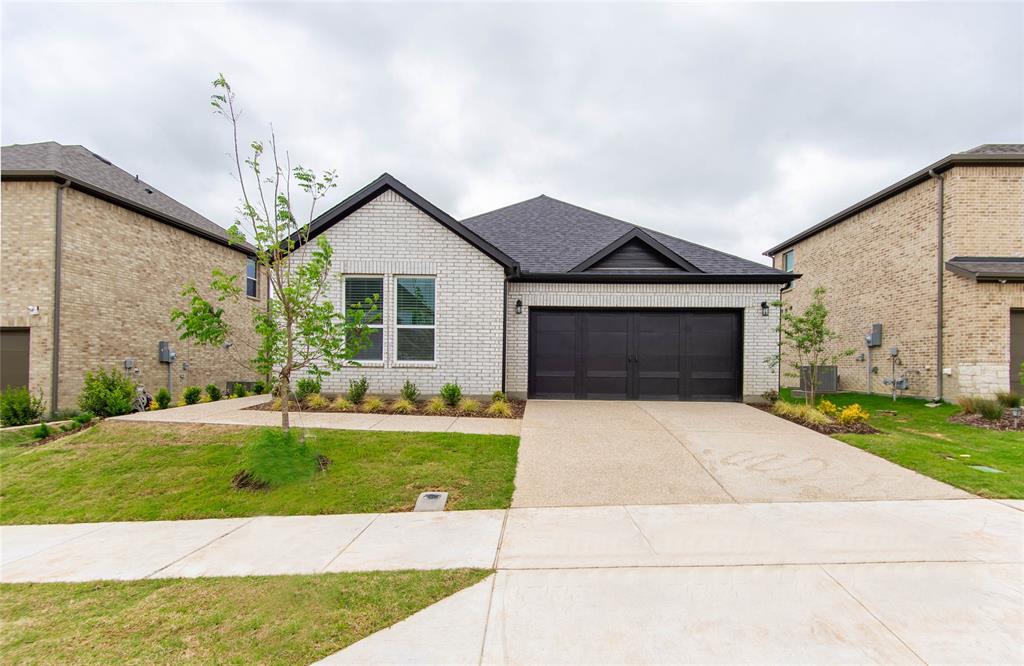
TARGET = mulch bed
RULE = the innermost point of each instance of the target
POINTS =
(517, 406)
(58, 434)
(979, 421)
(827, 429)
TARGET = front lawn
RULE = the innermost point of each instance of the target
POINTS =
(250, 620)
(156, 471)
(922, 439)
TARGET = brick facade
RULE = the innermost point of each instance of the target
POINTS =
(760, 338)
(879, 266)
(390, 237)
(122, 274)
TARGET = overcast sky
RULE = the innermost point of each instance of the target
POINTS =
(733, 125)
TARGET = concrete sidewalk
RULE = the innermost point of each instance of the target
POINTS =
(544, 538)
(234, 412)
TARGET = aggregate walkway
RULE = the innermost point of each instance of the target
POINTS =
(234, 412)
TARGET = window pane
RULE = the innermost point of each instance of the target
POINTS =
(415, 344)
(358, 289)
(250, 269)
(415, 301)
(250, 287)
(374, 351)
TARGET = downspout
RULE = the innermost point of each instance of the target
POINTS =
(939, 252)
(504, 332)
(57, 252)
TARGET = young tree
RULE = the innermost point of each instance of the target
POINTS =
(299, 330)
(809, 339)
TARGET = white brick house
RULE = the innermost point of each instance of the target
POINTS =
(545, 299)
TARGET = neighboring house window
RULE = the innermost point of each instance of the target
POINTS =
(357, 290)
(251, 283)
(787, 261)
(414, 322)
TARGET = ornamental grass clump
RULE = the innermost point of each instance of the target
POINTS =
(372, 403)
(276, 458)
(341, 404)
(1009, 400)
(801, 413)
(402, 406)
(499, 408)
(436, 406)
(317, 401)
(989, 409)
(469, 406)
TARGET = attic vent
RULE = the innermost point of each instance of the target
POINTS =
(149, 191)
(635, 256)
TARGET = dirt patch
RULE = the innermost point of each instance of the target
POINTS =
(827, 428)
(59, 434)
(323, 462)
(517, 407)
(979, 421)
(244, 480)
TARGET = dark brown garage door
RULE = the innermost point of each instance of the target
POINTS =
(635, 354)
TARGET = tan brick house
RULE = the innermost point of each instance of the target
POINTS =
(93, 260)
(882, 263)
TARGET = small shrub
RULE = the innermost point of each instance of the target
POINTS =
(212, 392)
(19, 407)
(67, 427)
(410, 391)
(469, 406)
(317, 401)
(771, 396)
(341, 404)
(451, 393)
(163, 398)
(107, 394)
(989, 409)
(41, 431)
(1008, 400)
(259, 388)
(306, 387)
(436, 406)
(499, 396)
(191, 394)
(276, 458)
(828, 408)
(402, 406)
(852, 414)
(357, 389)
(276, 405)
(239, 391)
(372, 403)
(82, 418)
(499, 408)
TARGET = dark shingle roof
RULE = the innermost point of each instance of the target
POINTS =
(996, 149)
(545, 235)
(988, 269)
(92, 172)
(990, 154)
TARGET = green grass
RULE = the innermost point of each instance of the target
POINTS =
(251, 620)
(922, 439)
(127, 471)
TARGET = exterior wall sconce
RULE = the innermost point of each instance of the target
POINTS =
(765, 308)
(519, 306)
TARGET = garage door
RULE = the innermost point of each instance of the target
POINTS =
(635, 354)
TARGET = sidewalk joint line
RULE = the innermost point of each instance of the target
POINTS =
(643, 536)
(871, 613)
(501, 539)
(59, 543)
(487, 617)
(196, 550)
(350, 542)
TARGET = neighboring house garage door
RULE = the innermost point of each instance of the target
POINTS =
(635, 354)
(13, 357)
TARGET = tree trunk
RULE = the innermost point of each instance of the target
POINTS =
(283, 391)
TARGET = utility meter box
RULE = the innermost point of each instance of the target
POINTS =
(165, 353)
(874, 338)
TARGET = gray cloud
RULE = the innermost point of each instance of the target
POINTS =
(729, 125)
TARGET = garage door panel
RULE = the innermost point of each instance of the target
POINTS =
(644, 355)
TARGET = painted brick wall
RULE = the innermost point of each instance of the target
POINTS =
(879, 267)
(391, 237)
(26, 271)
(760, 337)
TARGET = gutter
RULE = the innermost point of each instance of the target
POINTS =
(57, 252)
(940, 223)
(680, 278)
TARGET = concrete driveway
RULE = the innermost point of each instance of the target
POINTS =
(592, 453)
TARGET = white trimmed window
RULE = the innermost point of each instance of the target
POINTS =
(414, 319)
(358, 288)
(252, 289)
